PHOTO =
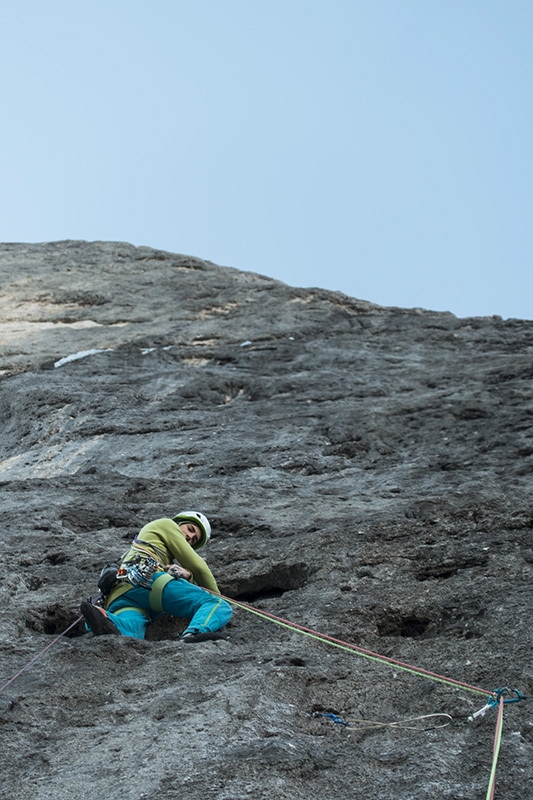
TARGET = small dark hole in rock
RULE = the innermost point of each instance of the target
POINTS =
(409, 627)
(413, 627)
(443, 574)
(54, 621)
(49, 627)
(57, 558)
(268, 591)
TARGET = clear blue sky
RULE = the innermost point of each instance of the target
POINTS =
(383, 148)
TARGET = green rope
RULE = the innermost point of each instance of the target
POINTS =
(391, 662)
(496, 752)
(354, 649)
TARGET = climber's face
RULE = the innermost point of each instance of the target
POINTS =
(192, 532)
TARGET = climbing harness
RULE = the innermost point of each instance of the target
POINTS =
(145, 570)
(149, 549)
(155, 598)
(139, 573)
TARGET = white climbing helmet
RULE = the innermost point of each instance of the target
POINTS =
(199, 519)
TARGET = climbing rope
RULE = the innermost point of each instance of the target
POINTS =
(402, 724)
(496, 749)
(339, 643)
(43, 651)
(495, 698)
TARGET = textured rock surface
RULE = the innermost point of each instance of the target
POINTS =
(368, 473)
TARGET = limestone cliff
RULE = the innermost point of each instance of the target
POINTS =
(367, 472)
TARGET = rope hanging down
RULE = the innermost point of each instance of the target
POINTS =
(496, 749)
(34, 659)
(495, 698)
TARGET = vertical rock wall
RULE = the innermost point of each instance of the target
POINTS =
(368, 474)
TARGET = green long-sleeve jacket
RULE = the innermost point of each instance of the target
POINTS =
(163, 540)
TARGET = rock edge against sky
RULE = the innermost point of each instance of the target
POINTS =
(367, 472)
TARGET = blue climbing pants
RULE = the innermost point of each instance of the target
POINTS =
(132, 613)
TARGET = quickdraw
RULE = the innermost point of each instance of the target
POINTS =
(141, 573)
(494, 700)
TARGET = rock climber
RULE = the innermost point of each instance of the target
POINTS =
(161, 572)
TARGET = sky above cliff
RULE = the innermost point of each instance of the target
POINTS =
(380, 148)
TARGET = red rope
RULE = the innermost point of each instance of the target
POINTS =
(325, 637)
(496, 749)
(295, 626)
(362, 650)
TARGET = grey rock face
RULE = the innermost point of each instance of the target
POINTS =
(368, 474)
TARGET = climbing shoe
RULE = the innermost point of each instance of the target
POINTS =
(98, 621)
(190, 637)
